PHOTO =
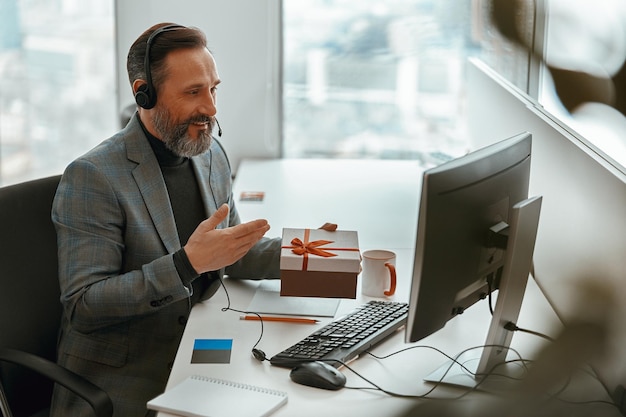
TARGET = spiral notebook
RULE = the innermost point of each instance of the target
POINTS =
(200, 396)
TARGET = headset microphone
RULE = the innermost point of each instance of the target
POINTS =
(219, 129)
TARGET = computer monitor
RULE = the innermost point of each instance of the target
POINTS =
(476, 233)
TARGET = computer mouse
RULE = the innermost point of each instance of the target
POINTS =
(319, 375)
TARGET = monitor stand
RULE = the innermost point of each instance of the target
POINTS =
(486, 368)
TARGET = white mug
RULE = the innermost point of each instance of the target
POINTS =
(378, 278)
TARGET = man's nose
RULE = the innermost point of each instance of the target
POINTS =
(209, 105)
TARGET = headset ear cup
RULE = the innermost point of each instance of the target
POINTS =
(144, 97)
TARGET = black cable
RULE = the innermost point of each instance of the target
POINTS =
(454, 360)
(525, 362)
(513, 327)
(257, 353)
(425, 347)
(490, 289)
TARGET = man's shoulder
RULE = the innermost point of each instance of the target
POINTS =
(117, 146)
(114, 144)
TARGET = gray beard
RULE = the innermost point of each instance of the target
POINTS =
(176, 137)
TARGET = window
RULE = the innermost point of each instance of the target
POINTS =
(589, 38)
(386, 79)
(580, 55)
(57, 95)
(374, 79)
(367, 79)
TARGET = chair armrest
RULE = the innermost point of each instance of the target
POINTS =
(96, 397)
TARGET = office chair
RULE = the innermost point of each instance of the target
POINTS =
(30, 309)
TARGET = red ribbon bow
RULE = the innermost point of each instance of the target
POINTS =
(301, 248)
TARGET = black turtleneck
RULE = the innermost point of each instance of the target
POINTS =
(182, 188)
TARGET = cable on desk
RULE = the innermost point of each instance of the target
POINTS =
(256, 352)
(492, 372)
(459, 363)
(454, 360)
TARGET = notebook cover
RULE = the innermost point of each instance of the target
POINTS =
(200, 396)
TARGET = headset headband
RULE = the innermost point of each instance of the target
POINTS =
(145, 96)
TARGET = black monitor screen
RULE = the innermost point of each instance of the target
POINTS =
(465, 210)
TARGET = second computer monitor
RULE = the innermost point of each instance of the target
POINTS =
(469, 226)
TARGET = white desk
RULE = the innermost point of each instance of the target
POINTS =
(379, 199)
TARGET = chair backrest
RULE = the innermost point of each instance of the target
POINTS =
(30, 310)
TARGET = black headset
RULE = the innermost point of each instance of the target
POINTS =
(146, 96)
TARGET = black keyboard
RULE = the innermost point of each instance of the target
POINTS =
(347, 337)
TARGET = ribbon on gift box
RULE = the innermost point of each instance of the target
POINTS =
(305, 248)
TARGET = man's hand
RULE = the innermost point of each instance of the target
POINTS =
(210, 249)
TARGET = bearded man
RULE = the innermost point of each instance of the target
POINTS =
(147, 227)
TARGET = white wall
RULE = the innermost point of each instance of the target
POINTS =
(582, 230)
(244, 36)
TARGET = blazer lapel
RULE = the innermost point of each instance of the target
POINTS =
(202, 169)
(151, 185)
(212, 181)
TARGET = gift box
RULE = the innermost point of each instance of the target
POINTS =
(319, 263)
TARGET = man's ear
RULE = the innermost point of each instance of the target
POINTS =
(136, 84)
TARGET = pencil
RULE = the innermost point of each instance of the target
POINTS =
(281, 319)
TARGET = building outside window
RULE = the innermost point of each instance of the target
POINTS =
(57, 95)
(375, 79)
